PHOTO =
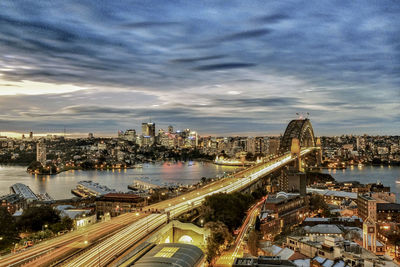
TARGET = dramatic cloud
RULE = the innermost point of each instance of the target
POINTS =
(230, 65)
(246, 35)
(244, 67)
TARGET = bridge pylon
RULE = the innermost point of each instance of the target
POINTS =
(295, 152)
(319, 152)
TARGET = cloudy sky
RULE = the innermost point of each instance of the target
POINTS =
(221, 67)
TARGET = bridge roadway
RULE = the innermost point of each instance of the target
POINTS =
(129, 228)
(107, 250)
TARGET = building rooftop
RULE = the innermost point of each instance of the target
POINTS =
(302, 263)
(24, 191)
(315, 219)
(171, 254)
(74, 213)
(121, 196)
(262, 261)
(333, 193)
(95, 187)
(10, 198)
(366, 197)
(281, 197)
(323, 229)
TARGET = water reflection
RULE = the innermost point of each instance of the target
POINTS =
(371, 174)
(59, 186)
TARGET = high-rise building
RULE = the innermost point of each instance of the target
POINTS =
(273, 147)
(149, 129)
(31, 135)
(293, 181)
(170, 129)
(130, 135)
(41, 152)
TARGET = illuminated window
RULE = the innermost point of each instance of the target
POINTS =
(167, 252)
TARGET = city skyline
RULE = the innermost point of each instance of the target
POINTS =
(222, 69)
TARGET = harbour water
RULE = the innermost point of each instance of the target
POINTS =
(59, 186)
(387, 175)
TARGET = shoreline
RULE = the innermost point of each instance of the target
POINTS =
(115, 168)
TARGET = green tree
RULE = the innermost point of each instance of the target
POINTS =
(227, 208)
(66, 223)
(218, 240)
(34, 218)
(318, 204)
(252, 242)
(8, 229)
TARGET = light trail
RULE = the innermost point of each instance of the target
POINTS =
(112, 247)
(135, 228)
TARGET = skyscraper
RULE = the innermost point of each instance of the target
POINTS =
(41, 152)
(149, 129)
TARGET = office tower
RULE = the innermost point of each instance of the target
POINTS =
(41, 152)
(130, 135)
(149, 129)
(293, 181)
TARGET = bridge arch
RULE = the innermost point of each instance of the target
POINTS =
(300, 129)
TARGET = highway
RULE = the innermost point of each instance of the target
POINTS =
(133, 226)
(114, 246)
(47, 251)
(228, 257)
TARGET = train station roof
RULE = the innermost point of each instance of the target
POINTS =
(171, 254)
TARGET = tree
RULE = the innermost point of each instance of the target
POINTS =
(249, 156)
(34, 218)
(8, 229)
(252, 243)
(66, 223)
(318, 204)
(87, 165)
(219, 238)
(394, 240)
(227, 208)
(257, 225)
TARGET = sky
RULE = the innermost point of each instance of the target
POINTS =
(218, 67)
